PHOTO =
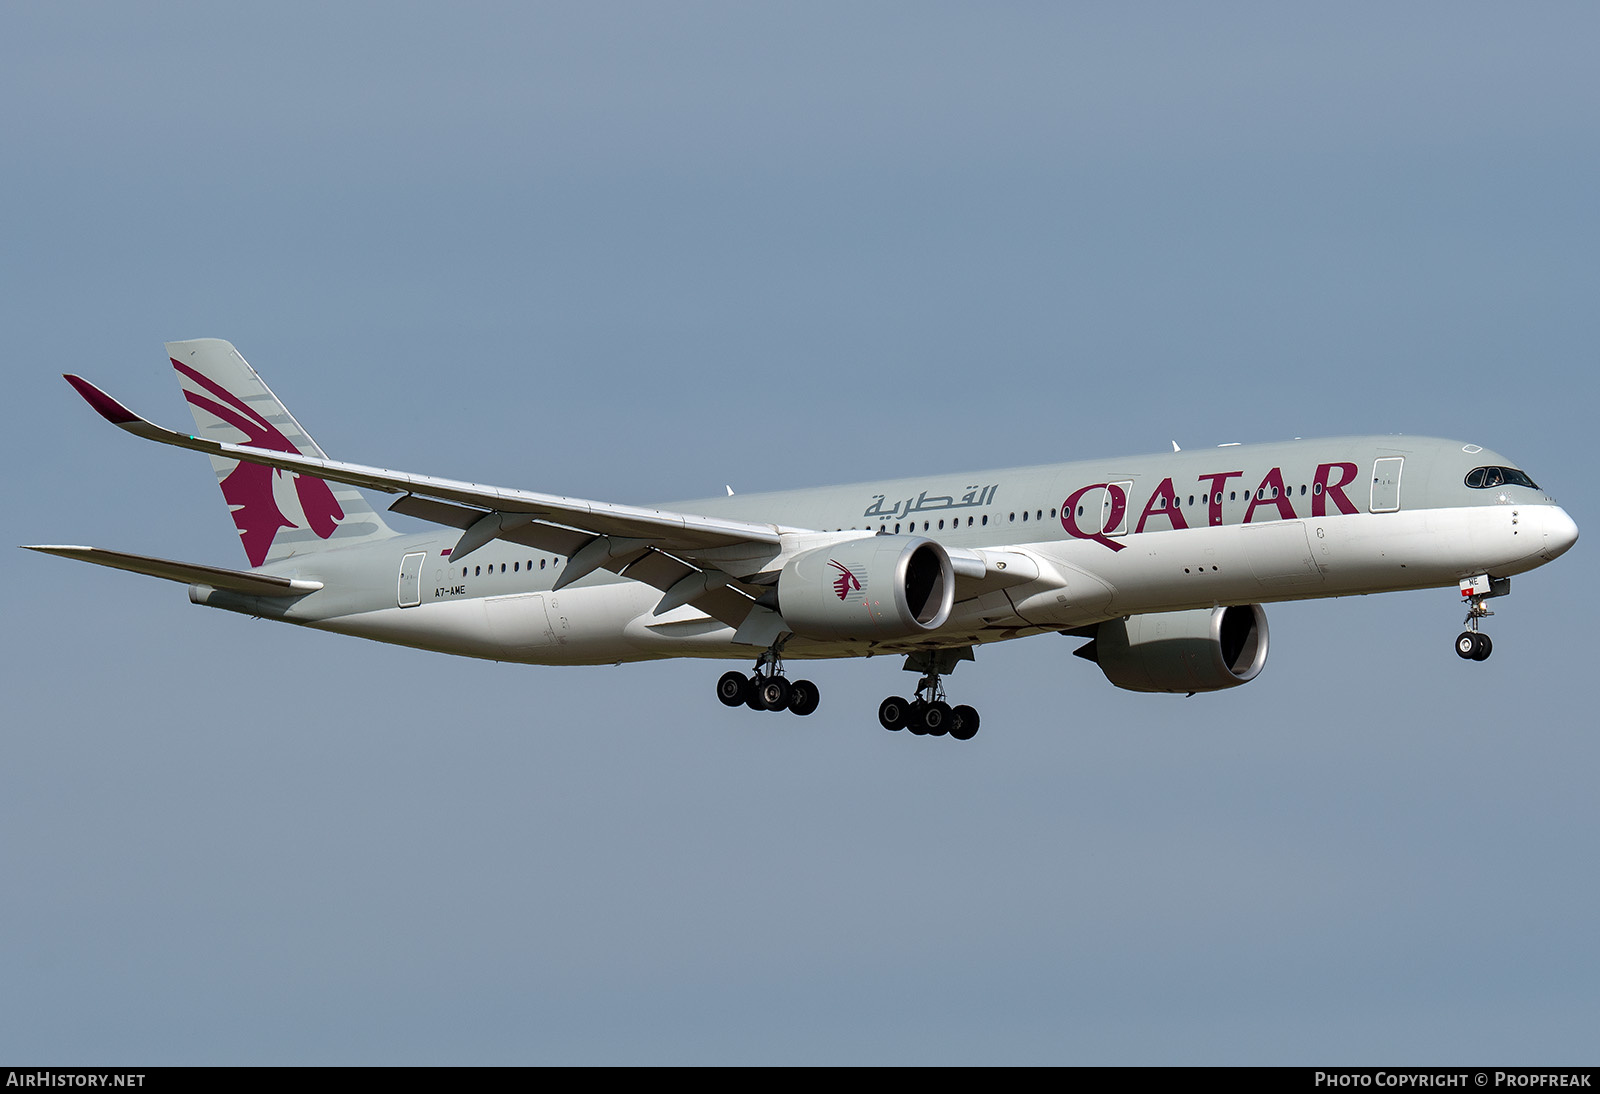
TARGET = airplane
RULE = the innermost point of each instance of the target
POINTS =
(1161, 562)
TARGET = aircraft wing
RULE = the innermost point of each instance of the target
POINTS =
(601, 518)
(688, 557)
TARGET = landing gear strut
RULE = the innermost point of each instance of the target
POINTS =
(1472, 644)
(928, 714)
(766, 688)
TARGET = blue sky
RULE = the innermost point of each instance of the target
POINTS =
(635, 252)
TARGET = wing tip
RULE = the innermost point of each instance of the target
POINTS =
(103, 404)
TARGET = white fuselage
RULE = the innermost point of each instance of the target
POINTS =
(1272, 523)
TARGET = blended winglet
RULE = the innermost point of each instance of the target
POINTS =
(104, 405)
(125, 419)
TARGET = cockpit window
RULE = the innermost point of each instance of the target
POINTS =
(1485, 478)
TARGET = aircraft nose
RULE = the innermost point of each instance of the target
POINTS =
(1560, 532)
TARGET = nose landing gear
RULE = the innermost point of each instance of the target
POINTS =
(1472, 644)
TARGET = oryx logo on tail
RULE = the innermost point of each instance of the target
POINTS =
(846, 582)
(248, 488)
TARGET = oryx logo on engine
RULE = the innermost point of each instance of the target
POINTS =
(846, 582)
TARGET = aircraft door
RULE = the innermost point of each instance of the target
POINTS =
(410, 593)
(1119, 493)
(1104, 510)
(1386, 484)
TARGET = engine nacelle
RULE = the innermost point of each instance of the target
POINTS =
(874, 587)
(1204, 650)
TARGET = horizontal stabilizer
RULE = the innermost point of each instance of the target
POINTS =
(239, 581)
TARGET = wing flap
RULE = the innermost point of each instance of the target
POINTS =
(538, 535)
(654, 568)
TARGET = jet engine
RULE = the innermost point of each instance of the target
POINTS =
(869, 588)
(1204, 650)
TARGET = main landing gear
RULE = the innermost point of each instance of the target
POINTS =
(1472, 644)
(766, 688)
(928, 714)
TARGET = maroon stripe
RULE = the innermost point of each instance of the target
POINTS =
(260, 436)
(220, 392)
